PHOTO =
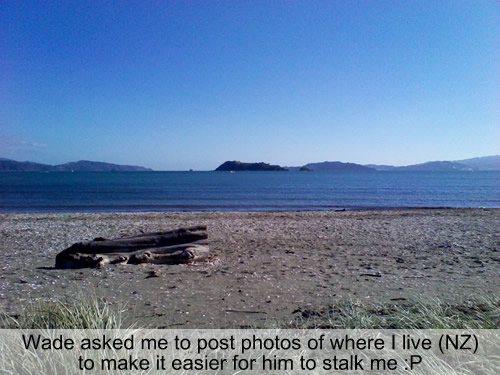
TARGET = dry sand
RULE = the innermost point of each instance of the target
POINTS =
(265, 265)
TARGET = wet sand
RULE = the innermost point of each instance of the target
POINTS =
(264, 265)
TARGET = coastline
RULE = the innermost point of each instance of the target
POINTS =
(265, 264)
(196, 209)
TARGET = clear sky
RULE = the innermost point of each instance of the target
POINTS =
(189, 84)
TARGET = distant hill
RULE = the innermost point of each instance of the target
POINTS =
(97, 166)
(12, 165)
(80, 166)
(336, 166)
(381, 167)
(436, 166)
(486, 163)
(240, 166)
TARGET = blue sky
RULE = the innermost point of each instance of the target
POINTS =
(189, 84)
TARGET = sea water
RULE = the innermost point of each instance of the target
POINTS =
(244, 191)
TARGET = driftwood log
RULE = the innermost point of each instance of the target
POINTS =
(183, 245)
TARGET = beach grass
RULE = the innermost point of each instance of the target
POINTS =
(477, 313)
(90, 312)
(84, 312)
(96, 314)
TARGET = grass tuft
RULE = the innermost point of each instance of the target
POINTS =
(81, 313)
(480, 313)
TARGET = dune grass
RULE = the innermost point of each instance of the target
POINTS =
(85, 312)
(98, 315)
(90, 312)
(478, 313)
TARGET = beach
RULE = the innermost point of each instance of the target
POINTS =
(264, 266)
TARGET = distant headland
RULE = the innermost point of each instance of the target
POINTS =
(485, 163)
(335, 166)
(78, 166)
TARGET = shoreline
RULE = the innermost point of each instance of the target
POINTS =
(233, 209)
(265, 265)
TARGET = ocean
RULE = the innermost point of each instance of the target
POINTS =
(243, 191)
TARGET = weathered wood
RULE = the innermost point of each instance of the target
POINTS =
(183, 245)
(180, 254)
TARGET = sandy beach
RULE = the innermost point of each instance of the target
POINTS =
(264, 265)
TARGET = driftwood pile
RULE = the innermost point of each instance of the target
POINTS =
(183, 245)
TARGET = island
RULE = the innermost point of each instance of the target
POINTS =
(240, 166)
